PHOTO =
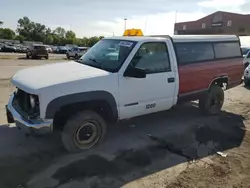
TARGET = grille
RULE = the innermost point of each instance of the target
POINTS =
(22, 104)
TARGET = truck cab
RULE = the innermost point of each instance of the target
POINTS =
(124, 77)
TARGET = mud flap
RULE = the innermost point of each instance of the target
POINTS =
(10, 118)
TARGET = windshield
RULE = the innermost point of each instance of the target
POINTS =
(108, 54)
(39, 47)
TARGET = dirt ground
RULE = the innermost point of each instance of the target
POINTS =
(175, 149)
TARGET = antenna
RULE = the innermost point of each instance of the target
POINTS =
(125, 23)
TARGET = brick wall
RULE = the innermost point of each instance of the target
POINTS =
(216, 23)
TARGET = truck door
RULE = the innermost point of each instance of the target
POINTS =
(138, 96)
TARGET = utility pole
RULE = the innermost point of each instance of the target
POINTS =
(125, 23)
(175, 21)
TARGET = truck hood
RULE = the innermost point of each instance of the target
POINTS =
(34, 78)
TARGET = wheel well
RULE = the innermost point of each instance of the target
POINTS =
(222, 82)
(64, 113)
(246, 64)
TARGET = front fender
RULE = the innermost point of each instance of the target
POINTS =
(59, 102)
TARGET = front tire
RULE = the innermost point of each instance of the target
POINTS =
(246, 65)
(246, 82)
(83, 131)
(212, 102)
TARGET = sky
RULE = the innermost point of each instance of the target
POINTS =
(106, 17)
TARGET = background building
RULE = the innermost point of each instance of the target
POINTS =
(216, 23)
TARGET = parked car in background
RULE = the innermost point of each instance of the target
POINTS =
(8, 48)
(37, 51)
(76, 52)
(61, 50)
(1, 46)
(54, 48)
(21, 48)
(49, 49)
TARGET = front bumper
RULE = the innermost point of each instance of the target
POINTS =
(31, 125)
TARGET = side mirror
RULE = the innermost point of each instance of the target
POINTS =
(135, 73)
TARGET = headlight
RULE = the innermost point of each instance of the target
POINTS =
(32, 101)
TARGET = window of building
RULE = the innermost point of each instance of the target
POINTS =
(152, 57)
(184, 27)
(229, 23)
(194, 52)
(203, 26)
(227, 50)
(217, 17)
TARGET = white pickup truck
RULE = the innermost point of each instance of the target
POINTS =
(120, 78)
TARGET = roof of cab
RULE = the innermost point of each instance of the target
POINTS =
(204, 38)
(181, 38)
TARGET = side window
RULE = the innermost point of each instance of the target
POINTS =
(227, 50)
(153, 57)
(194, 52)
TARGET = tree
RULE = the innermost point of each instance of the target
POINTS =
(60, 32)
(49, 39)
(70, 34)
(1, 23)
(101, 37)
(24, 27)
(48, 31)
(31, 30)
(85, 41)
(56, 39)
(6, 33)
(20, 38)
(92, 41)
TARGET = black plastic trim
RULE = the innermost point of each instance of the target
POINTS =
(59, 102)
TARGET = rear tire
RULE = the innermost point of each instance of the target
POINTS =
(212, 102)
(68, 57)
(83, 131)
(47, 57)
(27, 56)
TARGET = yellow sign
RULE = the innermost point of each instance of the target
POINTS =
(132, 32)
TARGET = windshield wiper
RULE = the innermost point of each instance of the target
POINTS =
(78, 61)
(91, 59)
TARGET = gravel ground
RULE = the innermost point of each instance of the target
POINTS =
(177, 148)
